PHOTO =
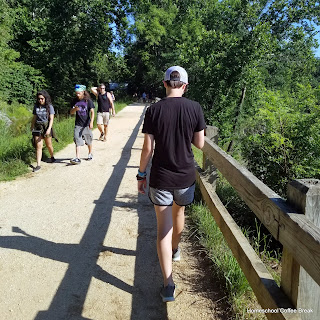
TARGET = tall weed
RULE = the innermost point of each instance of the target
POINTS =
(225, 266)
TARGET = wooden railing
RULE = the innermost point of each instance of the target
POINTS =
(295, 223)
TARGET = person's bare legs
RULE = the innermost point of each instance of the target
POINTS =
(48, 141)
(90, 148)
(164, 242)
(39, 145)
(105, 131)
(178, 224)
(100, 128)
(78, 152)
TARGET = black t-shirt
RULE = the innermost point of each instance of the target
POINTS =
(83, 115)
(103, 103)
(172, 122)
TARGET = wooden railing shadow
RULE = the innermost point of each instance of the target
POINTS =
(294, 223)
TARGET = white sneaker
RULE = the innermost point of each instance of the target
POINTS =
(75, 161)
(90, 156)
(176, 255)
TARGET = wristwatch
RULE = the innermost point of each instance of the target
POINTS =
(141, 175)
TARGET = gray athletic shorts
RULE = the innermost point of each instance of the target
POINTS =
(182, 197)
(81, 133)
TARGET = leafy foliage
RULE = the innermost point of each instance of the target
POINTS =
(67, 40)
(18, 81)
(250, 65)
(281, 142)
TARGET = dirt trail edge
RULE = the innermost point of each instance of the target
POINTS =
(78, 242)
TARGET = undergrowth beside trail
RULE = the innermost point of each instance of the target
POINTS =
(16, 150)
(225, 266)
(239, 292)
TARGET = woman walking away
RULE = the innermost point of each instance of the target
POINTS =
(41, 125)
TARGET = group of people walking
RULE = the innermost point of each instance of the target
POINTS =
(170, 127)
(83, 108)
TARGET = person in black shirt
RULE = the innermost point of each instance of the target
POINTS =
(105, 103)
(172, 125)
(83, 107)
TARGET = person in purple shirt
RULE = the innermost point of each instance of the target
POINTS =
(83, 107)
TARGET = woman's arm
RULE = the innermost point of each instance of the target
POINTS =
(48, 132)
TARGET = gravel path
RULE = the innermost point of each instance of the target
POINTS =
(78, 242)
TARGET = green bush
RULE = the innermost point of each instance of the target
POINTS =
(281, 141)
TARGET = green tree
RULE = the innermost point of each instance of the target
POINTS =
(66, 39)
(18, 81)
(281, 142)
(229, 48)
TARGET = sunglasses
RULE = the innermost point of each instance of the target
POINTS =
(41, 99)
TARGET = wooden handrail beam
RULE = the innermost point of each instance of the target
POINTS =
(269, 295)
(292, 229)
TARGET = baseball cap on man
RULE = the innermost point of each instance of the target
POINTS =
(183, 74)
(79, 87)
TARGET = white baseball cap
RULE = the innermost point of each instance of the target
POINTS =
(183, 74)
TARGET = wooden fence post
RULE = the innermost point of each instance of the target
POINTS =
(209, 170)
(304, 195)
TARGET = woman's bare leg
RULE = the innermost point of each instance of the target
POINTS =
(39, 145)
(48, 141)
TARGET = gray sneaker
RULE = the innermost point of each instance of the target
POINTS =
(75, 161)
(167, 293)
(36, 169)
(176, 254)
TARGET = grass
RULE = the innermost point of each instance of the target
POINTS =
(225, 266)
(17, 152)
(119, 105)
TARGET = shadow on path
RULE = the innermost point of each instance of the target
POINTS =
(68, 302)
(146, 303)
